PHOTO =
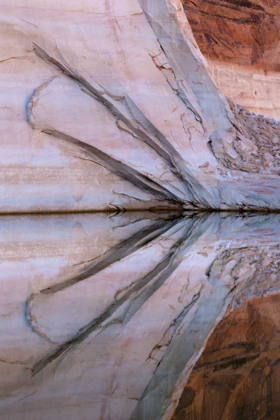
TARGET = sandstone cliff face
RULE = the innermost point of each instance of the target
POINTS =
(110, 106)
(240, 39)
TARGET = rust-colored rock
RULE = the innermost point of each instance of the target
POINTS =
(237, 375)
(236, 31)
(240, 38)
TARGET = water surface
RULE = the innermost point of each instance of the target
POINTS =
(107, 316)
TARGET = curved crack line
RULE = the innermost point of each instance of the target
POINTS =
(107, 99)
(114, 254)
(140, 291)
(152, 186)
(142, 127)
(129, 246)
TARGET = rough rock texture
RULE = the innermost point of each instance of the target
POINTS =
(104, 317)
(237, 376)
(109, 105)
(257, 150)
(240, 39)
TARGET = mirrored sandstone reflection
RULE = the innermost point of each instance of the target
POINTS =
(237, 377)
(104, 317)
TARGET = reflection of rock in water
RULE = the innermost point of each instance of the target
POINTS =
(237, 377)
(104, 317)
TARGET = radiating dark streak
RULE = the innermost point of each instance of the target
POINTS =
(88, 329)
(65, 67)
(164, 270)
(119, 168)
(114, 254)
(143, 129)
(172, 262)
